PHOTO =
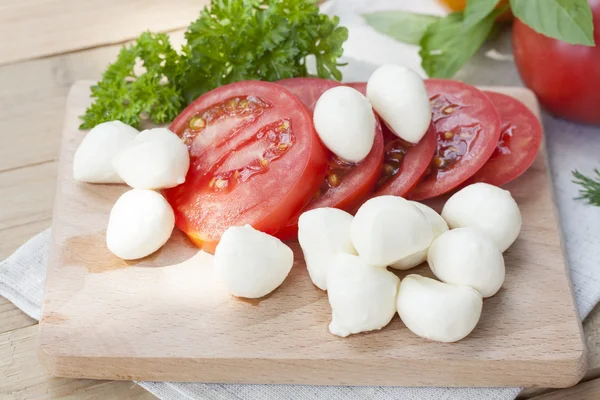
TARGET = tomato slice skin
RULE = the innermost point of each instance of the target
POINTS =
(467, 126)
(519, 142)
(356, 180)
(308, 90)
(241, 125)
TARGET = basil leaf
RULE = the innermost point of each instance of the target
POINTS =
(477, 10)
(447, 44)
(566, 20)
(403, 26)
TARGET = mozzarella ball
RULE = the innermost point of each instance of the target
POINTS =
(486, 208)
(345, 122)
(438, 226)
(399, 96)
(140, 222)
(251, 263)
(436, 310)
(386, 229)
(93, 159)
(323, 233)
(158, 159)
(362, 297)
(465, 256)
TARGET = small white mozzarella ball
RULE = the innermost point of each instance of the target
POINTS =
(386, 229)
(438, 311)
(140, 222)
(438, 226)
(399, 96)
(250, 263)
(93, 159)
(158, 159)
(465, 256)
(362, 297)
(323, 233)
(487, 208)
(345, 122)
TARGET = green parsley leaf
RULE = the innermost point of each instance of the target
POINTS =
(448, 44)
(566, 20)
(236, 40)
(403, 26)
(123, 95)
(231, 41)
(477, 10)
(590, 187)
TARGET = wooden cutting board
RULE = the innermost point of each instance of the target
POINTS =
(165, 318)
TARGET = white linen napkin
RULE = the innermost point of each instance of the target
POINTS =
(570, 146)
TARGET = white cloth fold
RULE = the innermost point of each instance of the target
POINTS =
(570, 146)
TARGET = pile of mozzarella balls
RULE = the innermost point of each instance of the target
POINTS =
(349, 257)
(141, 220)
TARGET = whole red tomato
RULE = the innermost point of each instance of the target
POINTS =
(565, 77)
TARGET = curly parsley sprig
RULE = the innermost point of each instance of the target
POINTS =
(232, 40)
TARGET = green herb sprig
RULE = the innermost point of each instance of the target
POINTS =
(590, 187)
(232, 40)
(448, 43)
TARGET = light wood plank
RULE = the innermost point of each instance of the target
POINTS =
(584, 391)
(33, 95)
(50, 27)
(23, 377)
(27, 195)
(12, 318)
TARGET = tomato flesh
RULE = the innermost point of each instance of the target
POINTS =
(467, 126)
(404, 163)
(255, 159)
(519, 142)
(346, 184)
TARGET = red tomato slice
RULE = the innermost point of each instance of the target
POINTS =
(308, 90)
(255, 159)
(519, 142)
(404, 163)
(346, 184)
(360, 86)
(467, 126)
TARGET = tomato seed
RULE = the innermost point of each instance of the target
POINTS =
(448, 135)
(197, 123)
(333, 180)
(448, 110)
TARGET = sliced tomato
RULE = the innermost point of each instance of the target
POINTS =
(255, 159)
(308, 90)
(360, 86)
(346, 184)
(519, 142)
(404, 163)
(467, 126)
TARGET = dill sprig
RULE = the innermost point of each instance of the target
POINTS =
(590, 187)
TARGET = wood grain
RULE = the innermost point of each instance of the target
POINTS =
(33, 95)
(23, 377)
(584, 391)
(50, 27)
(529, 334)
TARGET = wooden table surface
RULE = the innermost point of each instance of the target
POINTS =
(46, 45)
